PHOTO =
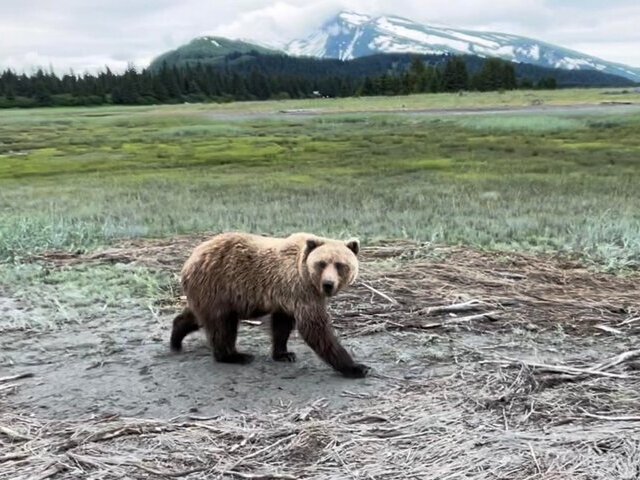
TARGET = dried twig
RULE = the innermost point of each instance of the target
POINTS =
(379, 293)
(454, 308)
(16, 377)
(12, 434)
(618, 359)
(50, 471)
(609, 418)
(13, 456)
(454, 321)
(535, 459)
(608, 329)
(559, 368)
(630, 321)
(259, 476)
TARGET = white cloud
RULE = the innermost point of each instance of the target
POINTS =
(278, 22)
(86, 35)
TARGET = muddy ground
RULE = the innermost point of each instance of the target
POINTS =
(506, 351)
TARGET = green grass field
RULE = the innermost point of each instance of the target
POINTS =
(566, 182)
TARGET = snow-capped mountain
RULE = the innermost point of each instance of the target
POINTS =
(351, 35)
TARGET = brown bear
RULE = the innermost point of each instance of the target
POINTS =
(237, 276)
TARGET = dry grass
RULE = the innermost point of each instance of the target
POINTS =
(490, 415)
(413, 286)
(486, 423)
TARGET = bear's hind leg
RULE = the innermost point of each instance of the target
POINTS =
(222, 330)
(184, 324)
(281, 326)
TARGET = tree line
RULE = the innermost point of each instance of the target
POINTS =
(246, 81)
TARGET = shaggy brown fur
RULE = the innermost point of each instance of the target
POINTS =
(241, 276)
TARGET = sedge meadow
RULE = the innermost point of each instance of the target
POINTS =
(497, 304)
(564, 181)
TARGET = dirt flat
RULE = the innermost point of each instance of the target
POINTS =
(130, 371)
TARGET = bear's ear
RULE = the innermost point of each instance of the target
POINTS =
(312, 244)
(354, 245)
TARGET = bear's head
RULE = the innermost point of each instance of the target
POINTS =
(331, 265)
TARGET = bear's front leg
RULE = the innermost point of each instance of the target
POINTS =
(315, 328)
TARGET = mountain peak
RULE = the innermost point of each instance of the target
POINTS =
(350, 35)
(208, 49)
(353, 18)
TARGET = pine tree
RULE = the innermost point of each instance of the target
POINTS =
(41, 93)
(127, 91)
(368, 88)
(526, 84)
(435, 82)
(455, 76)
(548, 83)
(417, 79)
(258, 85)
(509, 81)
(160, 91)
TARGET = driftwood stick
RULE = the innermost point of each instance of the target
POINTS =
(535, 459)
(13, 456)
(16, 377)
(454, 321)
(630, 320)
(12, 434)
(618, 359)
(471, 318)
(632, 418)
(380, 294)
(260, 476)
(560, 368)
(453, 308)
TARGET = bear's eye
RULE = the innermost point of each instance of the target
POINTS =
(322, 265)
(342, 268)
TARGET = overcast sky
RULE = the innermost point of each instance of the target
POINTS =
(86, 35)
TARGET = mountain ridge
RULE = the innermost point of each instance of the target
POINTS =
(277, 63)
(351, 34)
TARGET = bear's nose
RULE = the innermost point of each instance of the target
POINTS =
(327, 286)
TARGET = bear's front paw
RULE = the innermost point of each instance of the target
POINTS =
(284, 357)
(356, 370)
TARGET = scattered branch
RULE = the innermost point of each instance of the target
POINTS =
(471, 305)
(259, 476)
(379, 293)
(16, 377)
(13, 435)
(608, 418)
